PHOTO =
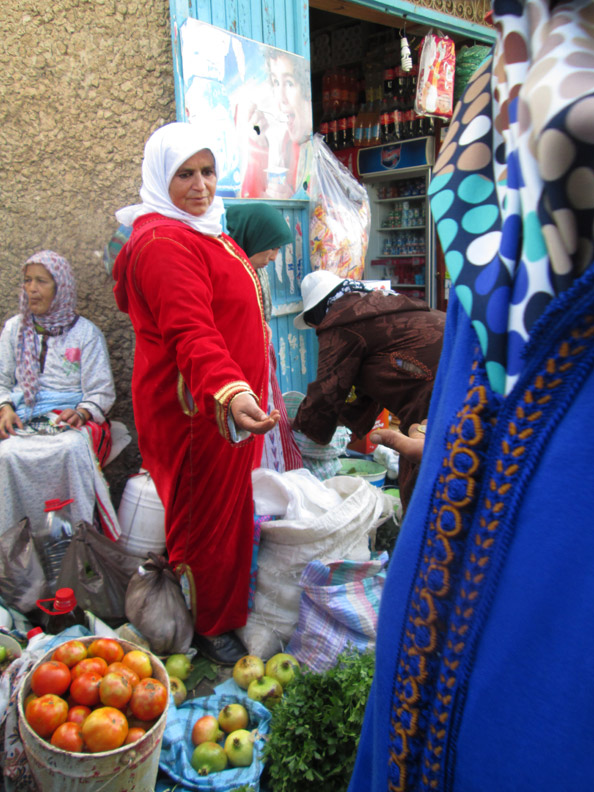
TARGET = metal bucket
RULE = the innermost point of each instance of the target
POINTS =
(131, 768)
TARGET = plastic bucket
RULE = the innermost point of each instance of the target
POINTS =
(141, 516)
(372, 472)
(131, 768)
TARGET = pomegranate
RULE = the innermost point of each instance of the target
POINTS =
(282, 667)
(206, 729)
(246, 669)
(239, 747)
(266, 690)
(208, 757)
(232, 717)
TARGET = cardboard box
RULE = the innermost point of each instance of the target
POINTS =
(364, 445)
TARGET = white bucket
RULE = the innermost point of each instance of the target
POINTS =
(131, 768)
(141, 516)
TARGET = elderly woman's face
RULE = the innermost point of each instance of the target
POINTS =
(40, 288)
(192, 188)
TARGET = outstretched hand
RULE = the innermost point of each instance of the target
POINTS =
(248, 415)
(410, 446)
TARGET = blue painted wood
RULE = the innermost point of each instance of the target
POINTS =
(296, 350)
(425, 16)
(283, 24)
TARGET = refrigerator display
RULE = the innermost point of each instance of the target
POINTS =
(401, 240)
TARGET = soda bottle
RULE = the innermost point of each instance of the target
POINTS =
(66, 612)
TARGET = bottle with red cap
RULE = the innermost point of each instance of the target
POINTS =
(51, 541)
(66, 611)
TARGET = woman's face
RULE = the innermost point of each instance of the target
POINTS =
(261, 259)
(192, 188)
(291, 101)
(40, 288)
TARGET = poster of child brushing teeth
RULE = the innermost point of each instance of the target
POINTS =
(256, 100)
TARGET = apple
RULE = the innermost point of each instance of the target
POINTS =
(178, 665)
(178, 690)
(232, 717)
(239, 747)
(282, 668)
(246, 669)
(208, 757)
(206, 729)
(266, 690)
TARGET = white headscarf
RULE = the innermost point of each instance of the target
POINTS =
(165, 150)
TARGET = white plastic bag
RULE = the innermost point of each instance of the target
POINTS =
(339, 216)
(329, 520)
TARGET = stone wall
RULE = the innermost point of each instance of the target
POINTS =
(82, 85)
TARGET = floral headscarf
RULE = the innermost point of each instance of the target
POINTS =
(60, 317)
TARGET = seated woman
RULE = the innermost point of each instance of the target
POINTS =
(56, 388)
(260, 230)
(385, 345)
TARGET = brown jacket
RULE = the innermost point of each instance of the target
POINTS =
(388, 347)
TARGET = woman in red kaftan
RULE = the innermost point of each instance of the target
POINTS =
(200, 373)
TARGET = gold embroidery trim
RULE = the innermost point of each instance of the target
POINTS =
(181, 397)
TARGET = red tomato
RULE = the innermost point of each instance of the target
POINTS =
(135, 733)
(46, 713)
(70, 653)
(89, 664)
(130, 675)
(68, 737)
(51, 677)
(115, 690)
(85, 689)
(107, 648)
(106, 728)
(78, 713)
(139, 662)
(149, 699)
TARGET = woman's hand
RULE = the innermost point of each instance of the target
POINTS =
(75, 418)
(248, 415)
(8, 421)
(410, 447)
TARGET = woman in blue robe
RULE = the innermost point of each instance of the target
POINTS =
(486, 632)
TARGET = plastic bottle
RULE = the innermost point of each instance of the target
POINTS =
(66, 612)
(52, 541)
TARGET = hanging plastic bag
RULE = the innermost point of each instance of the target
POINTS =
(98, 570)
(339, 216)
(155, 605)
(22, 579)
(339, 606)
(435, 86)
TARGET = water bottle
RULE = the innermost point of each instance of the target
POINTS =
(66, 612)
(53, 540)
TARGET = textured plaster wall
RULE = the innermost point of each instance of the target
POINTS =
(82, 85)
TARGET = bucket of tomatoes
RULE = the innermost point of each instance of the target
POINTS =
(92, 713)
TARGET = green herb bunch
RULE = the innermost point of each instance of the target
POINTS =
(315, 727)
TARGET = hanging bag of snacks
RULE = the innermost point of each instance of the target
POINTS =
(435, 86)
(339, 216)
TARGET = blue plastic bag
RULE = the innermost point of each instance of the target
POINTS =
(177, 748)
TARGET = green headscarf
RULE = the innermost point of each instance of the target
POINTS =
(257, 226)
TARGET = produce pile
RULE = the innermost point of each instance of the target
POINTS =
(88, 699)
(226, 739)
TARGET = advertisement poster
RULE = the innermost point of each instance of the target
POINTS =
(255, 101)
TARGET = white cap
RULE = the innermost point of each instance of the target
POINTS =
(314, 287)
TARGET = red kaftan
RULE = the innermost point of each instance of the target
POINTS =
(196, 306)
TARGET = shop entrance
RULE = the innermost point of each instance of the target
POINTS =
(362, 100)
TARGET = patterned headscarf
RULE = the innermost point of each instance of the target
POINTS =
(512, 188)
(60, 317)
(166, 149)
